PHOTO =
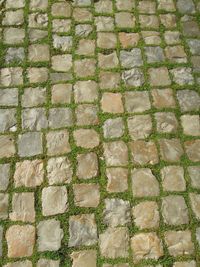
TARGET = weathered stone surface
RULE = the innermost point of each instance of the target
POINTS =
(194, 45)
(171, 149)
(60, 117)
(144, 183)
(104, 6)
(38, 52)
(20, 240)
(85, 160)
(166, 122)
(186, 6)
(182, 76)
(189, 100)
(62, 62)
(23, 207)
(33, 97)
(143, 152)
(163, 98)
(130, 59)
(114, 242)
(4, 206)
(82, 14)
(83, 30)
(125, 5)
(154, 54)
(139, 126)
(50, 235)
(168, 20)
(86, 114)
(25, 263)
(59, 170)
(11, 76)
(62, 42)
(195, 204)
(4, 176)
(61, 25)
(146, 215)
(29, 144)
(190, 27)
(85, 91)
(133, 77)
(86, 138)
(159, 76)
(104, 23)
(84, 258)
(124, 20)
(86, 195)
(38, 20)
(36, 34)
(117, 179)
(116, 153)
(34, 119)
(113, 128)
(13, 35)
(48, 263)
(61, 94)
(54, 200)
(128, 39)
(185, 264)
(58, 142)
(179, 243)
(37, 75)
(172, 37)
(151, 37)
(84, 67)
(108, 61)
(8, 120)
(173, 178)
(61, 9)
(29, 173)
(38, 4)
(16, 4)
(176, 54)
(194, 174)
(106, 40)
(149, 21)
(82, 230)
(147, 7)
(137, 101)
(109, 80)
(112, 103)
(146, 246)
(196, 63)
(193, 150)
(174, 210)
(9, 97)
(7, 146)
(167, 5)
(191, 124)
(15, 54)
(86, 47)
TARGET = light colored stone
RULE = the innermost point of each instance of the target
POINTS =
(36, 34)
(163, 98)
(62, 42)
(109, 80)
(124, 20)
(83, 30)
(61, 25)
(84, 258)
(37, 75)
(173, 178)
(29, 144)
(58, 142)
(54, 200)
(128, 39)
(86, 138)
(86, 47)
(61, 94)
(191, 124)
(60, 117)
(146, 246)
(38, 4)
(198, 235)
(11, 76)
(9, 97)
(194, 174)
(195, 204)
(48, 263)
(185, 264)
(167, 5)
(85, 91)
(13, 18)
(38, 52)
(189, 100)
(144, 183)
(85, 160)
(29, 173)
(104, 23)
(114, 242)
(117, 179)
(192, 149)
(112, 103)
(4, 176)
(131, 59)
(33, 97)
(182, 76)
(85, 67)
(34, 119)
(168, 20)
(113, 128)
(104, 6)
(25, 263)
(38, 20)
(166, 122)
(171, 149)
(16, 4)
(172, 37)
(151, 37)
(149, 21)
(133, 77)
(159, 76)
(137, 101)
(20, 240)
(106, 40)
(7, 146)
(62, 62)
(4, 206)
(139, 126)
(14, 35)
(86, 195)
(87, 114)
(50, 235)
(186, 6)
(108, 61)
(154, 54)
(8, 120)
(116, 153)
(23, 207)
(82, 14)
(61, 9)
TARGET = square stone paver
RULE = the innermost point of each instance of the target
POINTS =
(86, 195)
(117, 179)
(84, 258)
(30, 144)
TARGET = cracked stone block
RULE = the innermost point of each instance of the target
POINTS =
(171, 149)
(113, 128)
(151, 37)
(137, 101)
(144, 152)
(144, 183)
(25, 263)
(61, 9)
(112, 103)
(20, 240)
(37, 75)
(38, 20)
(36, 34)
(8, 121)
(159, 76)
(124, 20)
(173, 178)
(117, 180)
(139, 126)
(7, 146)
(185, 264)
(146, 215)
(166, 122)
(189, 100)
(194, 174)
(133, 77)
(85, 67)
(29, 144)
(172, 37)
(61, 94)
(174, 210)
(85, 91)
(54, 200)
(182, 76)
(146, 246)
(38, 4)
(86, 47)
(82, 14)
(195, 204)
(58, 142)
(62, 62)
(50, 235)
(116, 212)
(194, 45)
(149, 21)
(4, 206)
(147, 7)
(116, 153)
(114, 242)
(82, 230)
(86, 138)
(16, 4)
(29, 173)
(154, 54)
(186, 6)
(9, 97)
(33, 97)
(108, 61)
(86, 114)
(128, 40)
(192, 149)
(13, 35)
(15, 54)
(168, 20)
(61, 25)
(85, 160)
(109, 80)
(34, 119)
(86, 195)
(104, 23)
(23, 207)
(4, 176)
(11, 76)
(60, 117)
(83, 30)
(84, 258)
(179, 243)
(64, 43)
(163, 98)
(104, 6)
(38, 52)
(59, 170)
(106, 40)
(191, 124)
(130, 59)
(48, 263)
(166, 5)
(176, 54)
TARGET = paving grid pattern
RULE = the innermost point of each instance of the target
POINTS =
(99, 133)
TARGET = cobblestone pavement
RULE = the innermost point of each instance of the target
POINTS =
(100, 133)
